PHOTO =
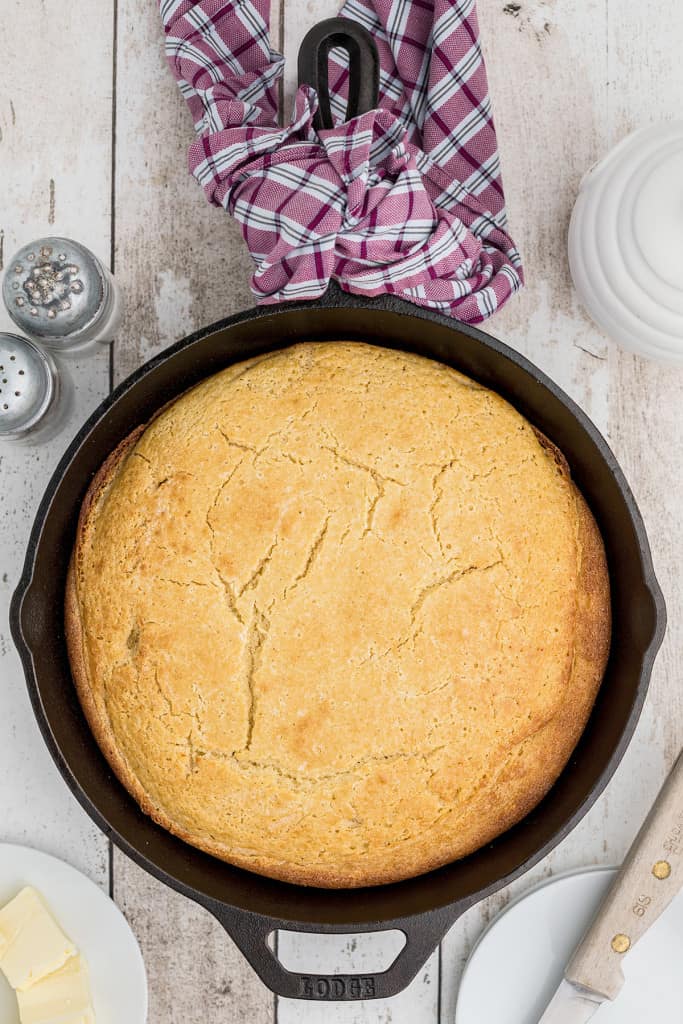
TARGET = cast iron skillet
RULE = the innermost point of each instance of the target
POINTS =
(251, 907)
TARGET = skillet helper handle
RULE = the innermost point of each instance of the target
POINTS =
(250, 932)
(650, 877)
(363, 67)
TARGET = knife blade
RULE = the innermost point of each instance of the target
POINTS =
(571, 1005)
(648, 880)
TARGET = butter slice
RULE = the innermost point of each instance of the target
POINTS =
(32, 945)
(12, 917)
(60, 998)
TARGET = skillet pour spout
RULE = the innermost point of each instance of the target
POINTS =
(249, 906)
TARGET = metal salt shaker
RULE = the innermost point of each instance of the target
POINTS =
(32, 402)
(58, 293)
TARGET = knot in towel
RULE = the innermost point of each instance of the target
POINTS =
(406, 199)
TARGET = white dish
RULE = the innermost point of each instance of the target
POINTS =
(519, 960)
(93, 922)
(625, 242)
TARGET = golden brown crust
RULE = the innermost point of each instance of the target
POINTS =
(445, 799)
(73, 627)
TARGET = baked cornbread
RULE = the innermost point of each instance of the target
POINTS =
(337, 615)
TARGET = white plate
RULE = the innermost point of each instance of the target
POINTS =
(93, 922)
(519, 960)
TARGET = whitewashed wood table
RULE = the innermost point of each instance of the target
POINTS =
(93, 136)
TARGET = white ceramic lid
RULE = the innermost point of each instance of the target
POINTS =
(626, 242)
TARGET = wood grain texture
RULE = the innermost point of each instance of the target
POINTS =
(645, 86)
(613, 67)
(196, 974)
(54, 179)
(546, 64)
(180, 260)
(417, 1004)
(420, 1001)
(569, 78)
(182, 265)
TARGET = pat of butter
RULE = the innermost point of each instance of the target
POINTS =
(32, 945)
(60, 998)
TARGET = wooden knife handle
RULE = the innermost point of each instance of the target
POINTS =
(649, 879)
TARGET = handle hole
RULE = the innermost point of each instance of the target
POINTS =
(338, 60)
(340, 54)
(359, 953)
(334, 68)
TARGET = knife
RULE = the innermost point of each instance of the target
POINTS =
(648, 880)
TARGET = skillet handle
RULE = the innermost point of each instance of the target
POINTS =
(250, 933)
(363, 67)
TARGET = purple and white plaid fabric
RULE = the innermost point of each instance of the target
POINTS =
(405, 199)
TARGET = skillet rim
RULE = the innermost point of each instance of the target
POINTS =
(448, 907)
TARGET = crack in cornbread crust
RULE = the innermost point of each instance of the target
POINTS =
(251, 742)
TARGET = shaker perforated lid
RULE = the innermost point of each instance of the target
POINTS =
(626, 242)
(54, 288)
(27, 385)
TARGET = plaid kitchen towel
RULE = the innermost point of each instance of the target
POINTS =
(405, 199)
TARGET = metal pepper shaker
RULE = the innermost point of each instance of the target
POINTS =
(59, 294)
(32, 402)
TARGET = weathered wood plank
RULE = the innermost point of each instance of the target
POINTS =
(183, 265)
(547, 70)
(419, 1003)
(182, 260)
(603, 56)
(196, 974)
(55, 163)
(299, 17)
(547, 64)
(646, 86)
